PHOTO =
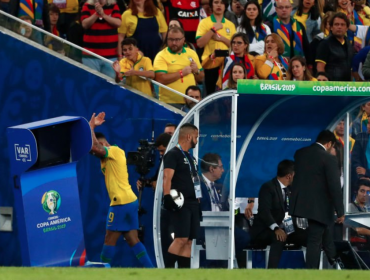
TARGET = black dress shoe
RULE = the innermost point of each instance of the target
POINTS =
(332, 261)
(335, 262)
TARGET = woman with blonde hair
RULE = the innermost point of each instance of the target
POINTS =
(298, 71)
(272, 65)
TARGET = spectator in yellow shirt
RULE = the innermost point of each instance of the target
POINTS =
(133, 66)
(363, 11)
(146, 23)
(214, 33)
(177, 67)
(272, 65)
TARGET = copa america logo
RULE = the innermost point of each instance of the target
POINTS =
(51, 201)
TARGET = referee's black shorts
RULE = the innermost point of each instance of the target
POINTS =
(186, 221)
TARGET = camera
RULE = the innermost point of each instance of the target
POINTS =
(144, 158)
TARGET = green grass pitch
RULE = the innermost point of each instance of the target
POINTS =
(23, 273)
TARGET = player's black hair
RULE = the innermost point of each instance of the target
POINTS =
(163, 139)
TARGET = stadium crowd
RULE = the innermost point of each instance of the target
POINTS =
(208, 43)
(198, 47)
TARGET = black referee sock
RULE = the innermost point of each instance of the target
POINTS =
(183, 262)
(170, 260)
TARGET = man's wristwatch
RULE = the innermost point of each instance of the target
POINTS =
(250, 201)
(276, 228)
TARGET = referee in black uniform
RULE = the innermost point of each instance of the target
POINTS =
(180, 173)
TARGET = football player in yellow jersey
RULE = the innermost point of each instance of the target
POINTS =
(123, 212)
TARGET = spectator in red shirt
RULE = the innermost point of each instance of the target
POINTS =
(100, 20)
(187, 12)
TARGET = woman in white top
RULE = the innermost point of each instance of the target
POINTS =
(252, 25)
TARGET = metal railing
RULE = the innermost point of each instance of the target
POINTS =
(63, 41)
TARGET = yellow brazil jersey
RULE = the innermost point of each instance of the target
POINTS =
(228, 30)
(364, 14)
(142, 64)
(114, 168)
(168, 62)
(302, 19)
(71, 6)
(129, 22)
(350, 17)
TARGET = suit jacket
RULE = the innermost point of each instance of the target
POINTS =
(205, 205)
(205, 201)
(316, 191)
(270, 207)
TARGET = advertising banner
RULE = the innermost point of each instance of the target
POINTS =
(303, 88)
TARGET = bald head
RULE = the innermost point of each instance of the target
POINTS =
(283, 2)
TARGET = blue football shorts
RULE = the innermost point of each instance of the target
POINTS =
(123, 217)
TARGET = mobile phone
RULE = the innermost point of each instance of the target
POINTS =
(221, 53)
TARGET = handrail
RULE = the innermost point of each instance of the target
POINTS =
(54, 36)
(90, 53)
(170, 89)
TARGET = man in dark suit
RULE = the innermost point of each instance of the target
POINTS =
(212, 200)
(316, 195)
(212, 170)
(273, 203)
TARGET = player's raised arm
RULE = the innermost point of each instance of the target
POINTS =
(97, 149)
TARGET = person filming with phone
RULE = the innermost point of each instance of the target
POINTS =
(214, 35)
(240, 55)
